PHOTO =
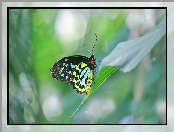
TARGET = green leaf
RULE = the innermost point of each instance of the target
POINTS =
(127, 55)
(104, 73)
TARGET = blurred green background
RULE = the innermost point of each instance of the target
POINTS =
(95, 128)
(39, 37)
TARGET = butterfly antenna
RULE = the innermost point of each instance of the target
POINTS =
(95, 42)
(92, 47)
(87, 48)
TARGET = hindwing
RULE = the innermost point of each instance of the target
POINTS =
(82, 78)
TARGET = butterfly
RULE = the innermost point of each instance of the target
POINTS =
(76, 70)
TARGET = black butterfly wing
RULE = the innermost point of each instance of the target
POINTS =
(64, 67)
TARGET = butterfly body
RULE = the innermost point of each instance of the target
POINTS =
(76, 70)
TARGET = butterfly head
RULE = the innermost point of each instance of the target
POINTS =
(92, 61)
